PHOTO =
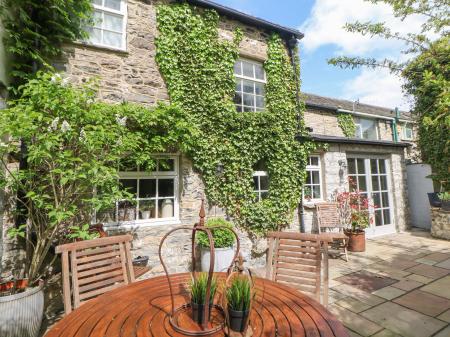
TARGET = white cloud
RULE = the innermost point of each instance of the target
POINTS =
(327, 18)
(376, 87)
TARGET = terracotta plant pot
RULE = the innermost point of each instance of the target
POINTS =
(356, 240)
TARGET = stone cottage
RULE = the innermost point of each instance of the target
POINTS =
(121, 54)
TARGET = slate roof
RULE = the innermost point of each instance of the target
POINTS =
(286, 32)
(317, 101)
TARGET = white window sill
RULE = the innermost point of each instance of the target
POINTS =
(311, 203)
(132, 225)
(101, 47)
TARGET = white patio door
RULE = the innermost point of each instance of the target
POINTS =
(370, 176)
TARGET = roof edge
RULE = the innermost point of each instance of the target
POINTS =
(248, 19)
(344, 140)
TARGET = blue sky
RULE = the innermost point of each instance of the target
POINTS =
(322, 21)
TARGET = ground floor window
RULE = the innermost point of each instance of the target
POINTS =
(313, 184)
(260, 180)
(155, 195)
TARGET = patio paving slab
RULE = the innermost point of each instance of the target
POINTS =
(420, 278)
(388, 292)
(355, 322)
(444, 332)
(440, 287)
(406, 322)
(361, 295)
(438, 257)
(424, 302)
(445, 316)
(407, 285)
(353, 304)
(428, 271)
(426, 261)
(366, 281)
(444, 264)
(400, 263)
(386, 333)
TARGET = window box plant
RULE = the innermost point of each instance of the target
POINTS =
(223, 245)
(198, 287)
(239, 297)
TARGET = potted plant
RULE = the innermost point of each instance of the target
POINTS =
(239, 297)
(434, 199)
(445, 200)
(198, 287)
(223, 245)
(147, 209)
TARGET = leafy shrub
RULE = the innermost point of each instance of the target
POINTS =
(223, 238)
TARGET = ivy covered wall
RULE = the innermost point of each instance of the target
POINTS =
(197, 67)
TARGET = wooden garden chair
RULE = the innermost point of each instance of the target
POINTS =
(329, 224)
(93, 267)
(296, 260)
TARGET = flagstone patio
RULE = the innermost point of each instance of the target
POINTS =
(399, 287)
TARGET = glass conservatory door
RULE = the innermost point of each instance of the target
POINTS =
(370, 176)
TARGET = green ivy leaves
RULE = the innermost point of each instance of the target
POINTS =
(347, 124)
(198, 69)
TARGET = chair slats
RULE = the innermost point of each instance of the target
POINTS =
(295, 259)
(96, 266)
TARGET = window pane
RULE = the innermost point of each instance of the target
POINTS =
(382, 164)
(259, 101)
(249, 100)
(147, 188)
(107, 216)
(113, 4)
(374, 166)
(247, 69)
(238, 98)
(98, 2)
(358, 131)
(351, 163)
(375, 183)
(315, 177)
(368, 127)
(316, 192)
(238, 85)
(376, 200)
(248, 109)
(264, 183)
(256, 183)
(264, 195)
(385, 198)
(147, 209)
(112, 22)
(166, 165)
(362, 186)
(165, 188)
(259, 72)
(383, 180)
(127, 211)
(112, 39)
(129, 185)
(238, 108)
(314, 161)
(378, 220)
(386, 216)
(361, 166)
(98, 19)
(238, 68)
(259, 89)
(95, 35)
(165, 208)
(248, 87)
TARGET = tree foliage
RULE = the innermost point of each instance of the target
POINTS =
(198, 69)
(36, 30)
(74, 147)
(426, 73)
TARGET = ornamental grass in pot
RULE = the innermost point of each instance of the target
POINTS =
(198, 288)
(224, 240)
(239, 297)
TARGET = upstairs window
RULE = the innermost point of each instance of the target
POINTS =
(313, 184)
(407, 131)
(109, 29)
(366, 128)
(250, 86)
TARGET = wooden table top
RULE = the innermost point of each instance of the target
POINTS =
(141, 309)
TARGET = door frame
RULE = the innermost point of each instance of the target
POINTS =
(372, 230)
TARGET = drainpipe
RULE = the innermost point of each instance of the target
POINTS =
(292, 44)
(394, 125)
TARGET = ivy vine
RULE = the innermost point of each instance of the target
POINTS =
(198, 69)
(347, 124)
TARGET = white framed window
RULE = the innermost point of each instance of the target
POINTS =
(366, 128)
(407, 131)
(155, 196)
(312, 190)
(250, 86)
(261, 184)
(109, 29)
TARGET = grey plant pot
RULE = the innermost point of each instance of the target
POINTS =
(21, 314)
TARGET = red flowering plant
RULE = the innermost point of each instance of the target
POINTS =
(354, 208)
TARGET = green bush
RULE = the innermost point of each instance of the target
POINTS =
(223, 238)
(239, 294)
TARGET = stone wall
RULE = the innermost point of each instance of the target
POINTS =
(440, 223)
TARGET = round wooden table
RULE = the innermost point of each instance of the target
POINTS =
(141, 309)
